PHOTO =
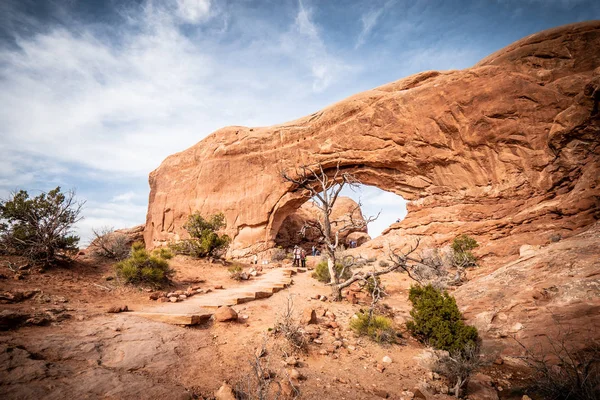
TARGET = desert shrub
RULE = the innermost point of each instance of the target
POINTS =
(110, 244)
(458, 366)
(145, 267)
(559, 371)
(289, 326)
(438, 321)
(321, 272)
(204, 238)
(278, 254)
(383, 264)
(163, 253)
(235, 271)
(377, 327)
(461, 251)
(39, 228)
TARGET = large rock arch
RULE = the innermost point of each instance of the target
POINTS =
(506, 150)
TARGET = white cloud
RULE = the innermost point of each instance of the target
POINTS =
(368, 21)
(124, 197)
(193, 11)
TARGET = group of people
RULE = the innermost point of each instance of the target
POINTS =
(300, 256)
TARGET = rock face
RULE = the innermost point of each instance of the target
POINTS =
(289, 233)
(506, 151)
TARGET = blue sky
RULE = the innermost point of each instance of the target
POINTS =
(95, 94)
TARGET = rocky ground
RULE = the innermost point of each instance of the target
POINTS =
(67, 343)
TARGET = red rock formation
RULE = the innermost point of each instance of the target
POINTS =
(289, 233)
(506, 151)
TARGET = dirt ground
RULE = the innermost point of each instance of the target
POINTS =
(84, 352)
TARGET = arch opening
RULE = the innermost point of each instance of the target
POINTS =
(361, 202)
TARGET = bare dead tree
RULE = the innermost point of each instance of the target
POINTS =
(324, 186)
(110, 244)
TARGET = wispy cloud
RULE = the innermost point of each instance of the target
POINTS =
(304, 41)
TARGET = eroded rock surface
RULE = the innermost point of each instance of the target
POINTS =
(551, 291)
(506, 151)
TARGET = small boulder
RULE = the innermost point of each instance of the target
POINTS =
(309, 316)
(225, 313)
(225, 392)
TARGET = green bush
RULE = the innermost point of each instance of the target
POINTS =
(204, 240)
(321, 272)
(39, 228)
(145, 267)
(377, 327)
(438, 321)
(461, 251)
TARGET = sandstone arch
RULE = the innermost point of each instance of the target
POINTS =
(506, 150)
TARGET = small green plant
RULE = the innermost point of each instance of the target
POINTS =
(145, 267)
(235, 271)
(321, 272)
(204, 239)
(461, 251)
(377, 327)
(438, 321)
(164, 253)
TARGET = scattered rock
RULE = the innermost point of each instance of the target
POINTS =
(117, 309)
(381, 393)
(155, 296)
(225, 313)
(296, 375)
(225, 392)
(218, 287)
(291, 361)
(480, 387)
(323, 298)
(309, 316)
(173, 299)
(386, 360)
(380, 367)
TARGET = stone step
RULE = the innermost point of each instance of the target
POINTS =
(175, 319)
